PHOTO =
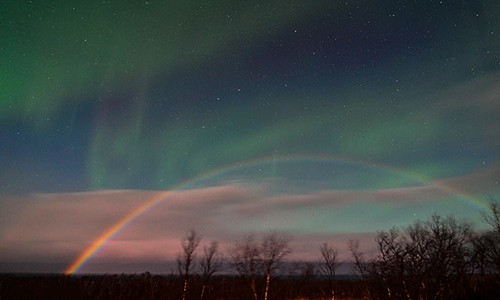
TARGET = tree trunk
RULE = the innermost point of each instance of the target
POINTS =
(254, 289)
(268, 281)
(203, 291)
(184, 291)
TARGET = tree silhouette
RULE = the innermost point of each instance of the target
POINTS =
(487, 246)
(328, 266)
(186, 259)
(210, 263)
(273, 248)
(245, 258)
(251, 258)
(429, 260)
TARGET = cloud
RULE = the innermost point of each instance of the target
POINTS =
(58, 227)
(481, 92)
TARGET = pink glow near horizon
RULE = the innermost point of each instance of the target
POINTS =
(223, 213)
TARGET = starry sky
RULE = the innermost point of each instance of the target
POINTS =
(329, 120)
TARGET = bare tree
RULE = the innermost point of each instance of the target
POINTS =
(210, 263)
(245, 258)
(429, 260)
(360, 264)
(328, 265)
(251, 258)
(492, 217)
(186, 259)
(274, 247)
(359, 261)
(386, 268)
(487, 246)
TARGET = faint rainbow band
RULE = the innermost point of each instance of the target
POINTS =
(160, 196)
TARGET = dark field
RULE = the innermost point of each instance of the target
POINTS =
(147, 286)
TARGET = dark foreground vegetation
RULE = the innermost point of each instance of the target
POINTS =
(440, 259)
(147, 286)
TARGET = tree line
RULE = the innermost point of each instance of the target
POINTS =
(440, 258)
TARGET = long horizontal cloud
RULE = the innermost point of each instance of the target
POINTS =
(57, 227)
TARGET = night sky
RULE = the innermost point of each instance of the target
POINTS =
(329, 120)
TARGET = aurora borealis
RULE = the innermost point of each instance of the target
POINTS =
(330, 120)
